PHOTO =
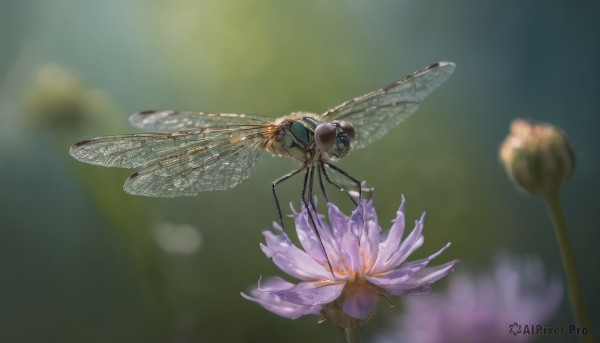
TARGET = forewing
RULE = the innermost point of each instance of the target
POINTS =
(375, 113)
(169, 121)
(181, 163)
(128, 151)
(220, 164)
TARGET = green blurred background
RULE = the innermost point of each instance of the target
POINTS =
(81, 261)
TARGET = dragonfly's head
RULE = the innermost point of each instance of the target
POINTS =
(334, 137)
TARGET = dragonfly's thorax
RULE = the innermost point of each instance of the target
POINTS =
(306, 138)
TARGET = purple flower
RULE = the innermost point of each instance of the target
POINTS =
(343, 276)
(491, 308)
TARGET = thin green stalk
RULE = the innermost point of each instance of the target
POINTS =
(352, 334)
(568, 258)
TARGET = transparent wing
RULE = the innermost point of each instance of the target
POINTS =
(183, 163)
(170, 121)
(375, 113)
(220, 165)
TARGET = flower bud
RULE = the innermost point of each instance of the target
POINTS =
(58, 98)
(537, 157)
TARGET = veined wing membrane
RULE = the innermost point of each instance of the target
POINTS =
(181, 163)
(221, 164)
(375, 113)
(137, 150)
(170, 121)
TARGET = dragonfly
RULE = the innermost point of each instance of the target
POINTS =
(185, 153)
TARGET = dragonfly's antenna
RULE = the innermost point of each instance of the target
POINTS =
(310, 203)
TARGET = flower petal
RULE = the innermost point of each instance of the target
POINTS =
(390, 245)
(410, 244)
(292, 260)
(359, 302)
(308, 239)
(275, 242)
(432, 274)
(324, 241)
(394, 278)
(422, 263)
(369, 241)
(309, 293)
(419, 281)
(274, 283)
(356, 222)
(277, 305)
(339, 222)
(331, 244)
(350, 252)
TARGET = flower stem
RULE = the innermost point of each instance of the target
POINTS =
(352, 334)
(568, 259)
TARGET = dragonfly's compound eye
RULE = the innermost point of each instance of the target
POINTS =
(325, 135)
(347, 128)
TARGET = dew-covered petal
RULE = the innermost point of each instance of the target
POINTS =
(359, 302)
(310, 293)
(277, 305)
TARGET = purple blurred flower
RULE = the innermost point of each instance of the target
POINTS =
(365, 266)
(482, 309)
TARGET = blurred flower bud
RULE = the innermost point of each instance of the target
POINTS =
(58, 98)
(537, 157)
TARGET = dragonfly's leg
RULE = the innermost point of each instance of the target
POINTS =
(352, 178)
(311, 178)
(338, 186)
(321, 181)
(278, 181)
(310, 173)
